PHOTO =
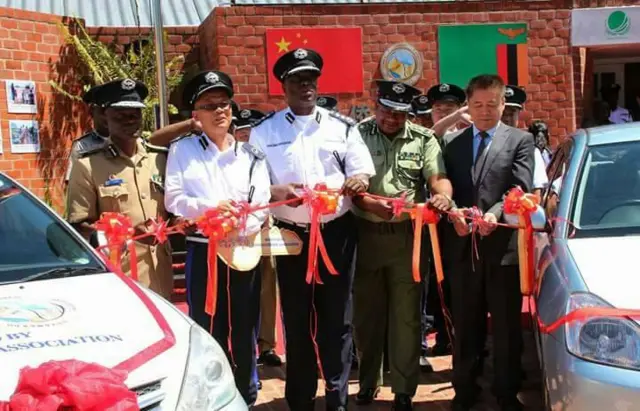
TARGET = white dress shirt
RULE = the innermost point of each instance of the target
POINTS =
(540, 179)
(303, 150)
(199, 177)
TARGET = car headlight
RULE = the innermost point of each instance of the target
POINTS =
(606, 340)
(208, 383)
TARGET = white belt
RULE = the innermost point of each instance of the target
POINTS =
(195, 239)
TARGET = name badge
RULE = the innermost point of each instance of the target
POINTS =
(112, 181)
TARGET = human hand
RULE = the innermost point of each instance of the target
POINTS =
(354, 185)
(459, 222)
(440, 202)
(381, 208)
(491, 224)
(285, 192)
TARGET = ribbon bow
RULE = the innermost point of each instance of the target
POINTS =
(160, 230)
(71, 385)
(322, 202)
(214, 225)
(118, 231)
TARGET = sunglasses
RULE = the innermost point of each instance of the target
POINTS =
(214, 106)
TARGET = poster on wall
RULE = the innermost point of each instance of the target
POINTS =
(25, 136)
(465, 51)
(21, 96)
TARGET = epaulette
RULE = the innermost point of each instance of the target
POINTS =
(266, 117)
(109, 150)
(420, 131)
(347, 120)
(253, 151)
(190, 134)
(82, 137)
(153, 148)
(367, 126)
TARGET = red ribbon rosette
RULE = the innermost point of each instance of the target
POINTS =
(71, 385)
(322, 201)
(523, 204)
(214, 225)
(118, 231)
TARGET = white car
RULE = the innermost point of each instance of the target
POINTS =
(58, 301)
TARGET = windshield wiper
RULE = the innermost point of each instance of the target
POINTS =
(62, 272)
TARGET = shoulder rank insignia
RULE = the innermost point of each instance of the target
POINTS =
(347, 120)
(266, 117)
(109, 149)
(153, 148)
(253, 151)
(88, 142)
(190, 134)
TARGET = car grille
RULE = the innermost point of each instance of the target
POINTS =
(150, 395)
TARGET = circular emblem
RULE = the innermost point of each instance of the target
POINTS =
(444, 88)
(423, 100)
(211, 78)
(245, 114)
(398, 88)
(128, 84)
(322, 101)
(618, 23)
(18, 312)
(300, 54)
(508, 92)
(401, 62)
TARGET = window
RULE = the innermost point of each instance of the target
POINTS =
(34, 240)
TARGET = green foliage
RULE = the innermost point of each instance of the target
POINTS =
(104, 63)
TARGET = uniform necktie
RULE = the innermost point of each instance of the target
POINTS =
(481, 147)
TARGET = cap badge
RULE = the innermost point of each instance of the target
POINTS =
(444, 88)
(211, 77)
(508, 92)
(128, 84)
(300, 54)
(423, 100)
(322, 101)
(245, 114)
(398, 88)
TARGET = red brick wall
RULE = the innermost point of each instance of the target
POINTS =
(32, 48)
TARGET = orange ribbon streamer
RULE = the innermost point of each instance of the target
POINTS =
(214, 225)
(421, 215)
(118, 231)
(523, 204)
(322, 202)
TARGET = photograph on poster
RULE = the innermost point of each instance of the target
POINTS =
(21, 96)
(25, 136)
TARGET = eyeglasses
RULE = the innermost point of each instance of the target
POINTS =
(214, 106)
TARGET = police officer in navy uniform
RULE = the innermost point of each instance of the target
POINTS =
(212, 170)
(97, 137)
(306, 145)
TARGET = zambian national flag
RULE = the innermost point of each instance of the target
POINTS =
(465, 51)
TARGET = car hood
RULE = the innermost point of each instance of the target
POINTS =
(93, 318)
(609, 268)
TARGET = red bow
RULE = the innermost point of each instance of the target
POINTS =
(214, 225)
(520, 203)
(71, 385)
(160, 230)
(118, 231)
(322, 202)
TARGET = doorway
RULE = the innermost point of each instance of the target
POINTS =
(623, 71)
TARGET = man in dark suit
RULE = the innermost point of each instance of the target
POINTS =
(483, 162)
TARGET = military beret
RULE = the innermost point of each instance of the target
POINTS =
(296, 61)
(205, 81)
(514, 96)
(420, 105)
(446, 92)
(396, 95)
(327, 102)
(126, 93)
(247, 117)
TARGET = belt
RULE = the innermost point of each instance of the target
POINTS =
(197, 239)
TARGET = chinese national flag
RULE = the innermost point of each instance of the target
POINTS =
(340, 48)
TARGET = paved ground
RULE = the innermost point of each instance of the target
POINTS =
(434, 393)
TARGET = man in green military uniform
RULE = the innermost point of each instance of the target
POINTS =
(407, 157)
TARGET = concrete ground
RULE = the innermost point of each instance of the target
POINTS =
(434, 392)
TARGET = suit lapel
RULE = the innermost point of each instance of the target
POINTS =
(497, 143)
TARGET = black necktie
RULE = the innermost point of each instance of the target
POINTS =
(481, 147)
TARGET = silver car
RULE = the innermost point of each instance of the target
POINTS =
(592, 259)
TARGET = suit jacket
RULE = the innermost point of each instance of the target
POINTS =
(506, 163)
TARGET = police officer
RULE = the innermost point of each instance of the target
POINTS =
(94, 139)
(420, 111)
(195, 162)
(327, 103)
(127, 177)
(447, 111)
(243, 122)
(306, 145)
(407, 157)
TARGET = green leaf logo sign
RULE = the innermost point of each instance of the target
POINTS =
(618, 23)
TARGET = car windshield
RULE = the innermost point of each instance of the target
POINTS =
(34, 240)
(608, 197)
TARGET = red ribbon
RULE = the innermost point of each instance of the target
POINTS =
(322, 202)
(71, 385)
(214, 225)
(118, 231)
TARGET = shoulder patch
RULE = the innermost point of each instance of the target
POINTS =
(154, 149)
(253, 151)
(347, 120)
(266, 117)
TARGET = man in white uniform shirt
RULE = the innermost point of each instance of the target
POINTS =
(306, 145)
(208, 170)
